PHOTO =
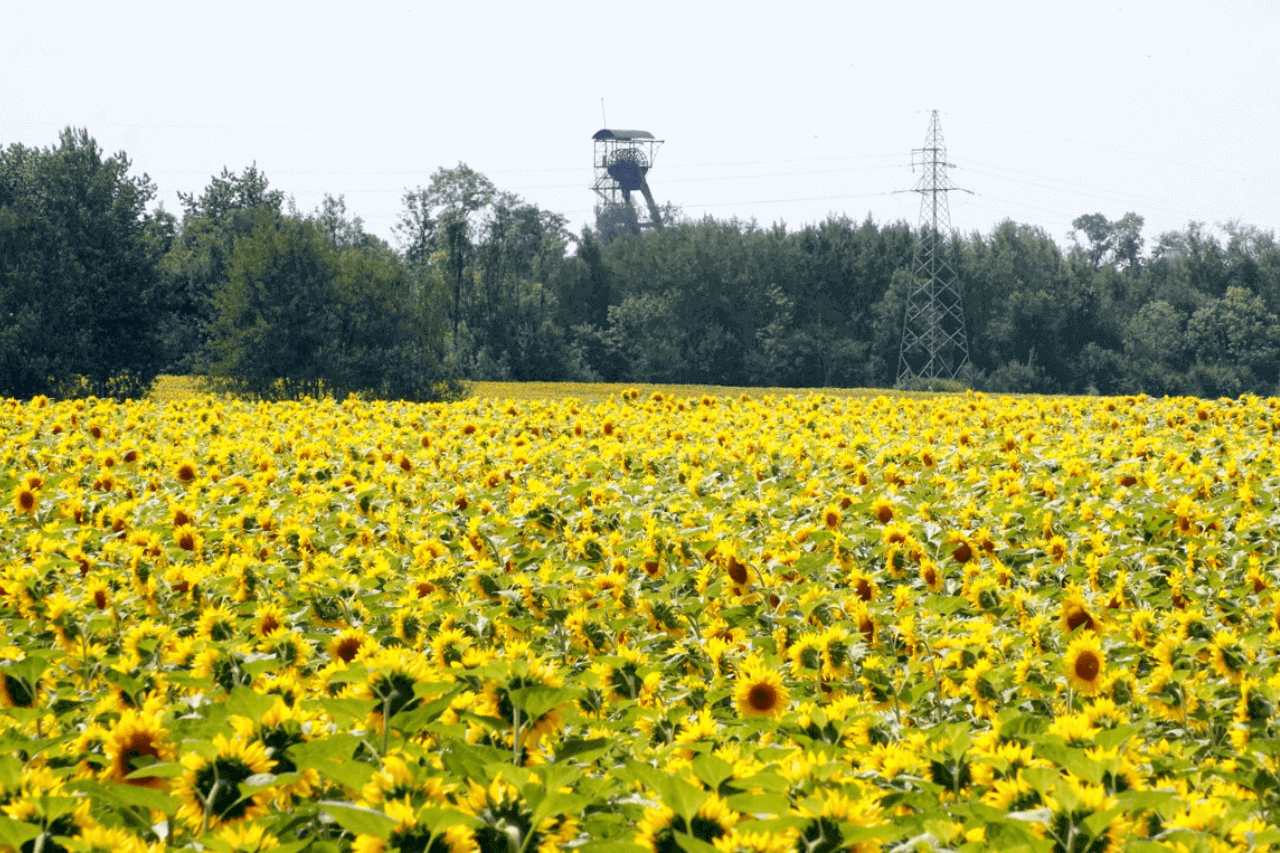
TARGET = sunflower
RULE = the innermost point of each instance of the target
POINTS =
(217, 624)
(1228, 657)
(806, 654)
(1072, 804)
(391, 683)
(835, 645)
(209, 788)
(188, 538)
(409, 627)
(713, 820)
(448, 647)
(351, 643)
(1076, 615)
(931, 575)
(247, 838)
(24, 499)
(186, 471)
(863, 585)
(496, 700)
(115, 839)
(268, 619)
(1011, 794)
(180, 515)
(760, 691)
(882, 510)
(737, 841)
(404, 780)
(138, 734)
(1084, 663)
(17, 692)
(281, 727)
(622, 677)
(834, 808)
(98, 591)
(508, 822)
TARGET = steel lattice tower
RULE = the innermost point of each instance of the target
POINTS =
(934, 344)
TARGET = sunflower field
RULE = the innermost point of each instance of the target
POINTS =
(652, 622)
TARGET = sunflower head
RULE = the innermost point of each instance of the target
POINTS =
(761, 691)
(351, 643)
(1085, 664)
(210, 786)
(931, 575)
(714, 820)
(882, 510)
(24, 499)
(508, 821)
(1228, 656)
(1076, 615)
(138, 736)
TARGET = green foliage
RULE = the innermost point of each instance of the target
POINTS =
(97, 295)
(195, 267)
(78, 285)
(1237, 332)
(936, 384)
(300, 316)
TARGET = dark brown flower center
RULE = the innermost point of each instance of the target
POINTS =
(1087, 666)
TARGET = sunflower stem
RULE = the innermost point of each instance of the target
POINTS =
(515, 723)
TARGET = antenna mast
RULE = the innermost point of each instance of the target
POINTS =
(934, 343)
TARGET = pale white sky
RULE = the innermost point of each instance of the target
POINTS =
(774, 112)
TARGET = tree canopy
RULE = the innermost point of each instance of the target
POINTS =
(98, 294)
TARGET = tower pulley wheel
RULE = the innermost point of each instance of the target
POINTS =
(627, 166)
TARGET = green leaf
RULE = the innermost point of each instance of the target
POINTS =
(689, 844)
(1042, 779)
(812, 561)
(678, 795)
(584, 747)
(611, 846)
(423, 715)
(766, 781)
(15, 833)
(348, 709)
(944, 605)
(1110, 738)
(315, 753)
(350, 774)
(10, 772)
(711, 770)
(758, 804)
(159, 770)
(774, 824)
(123, 680)
(472, 761)
(558, 803)
(358, 819)
(1136, 801)
(856, 834)
(1096, 824)
(1143, 846)
(538, 699)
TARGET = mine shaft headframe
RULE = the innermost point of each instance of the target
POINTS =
(622, 162)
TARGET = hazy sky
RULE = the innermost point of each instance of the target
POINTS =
(799, 110)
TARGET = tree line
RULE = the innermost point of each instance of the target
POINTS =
(99, 295)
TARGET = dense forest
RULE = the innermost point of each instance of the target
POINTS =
(99, 294)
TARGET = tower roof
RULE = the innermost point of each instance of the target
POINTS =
(606, 133)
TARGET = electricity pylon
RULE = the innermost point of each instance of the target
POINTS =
(934, 343)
